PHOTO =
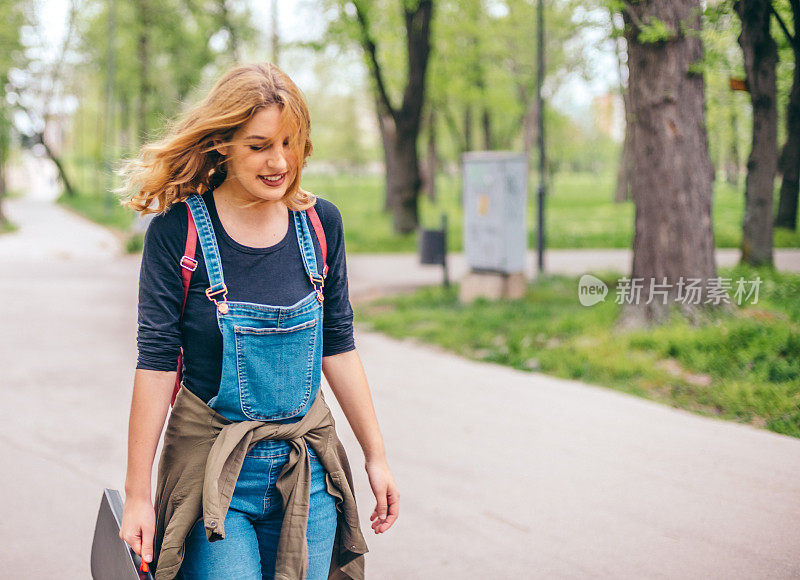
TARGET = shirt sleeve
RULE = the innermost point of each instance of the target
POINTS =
(337, 326)
(161, 291)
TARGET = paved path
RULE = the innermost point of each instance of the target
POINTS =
(372, 274)
(503, 474)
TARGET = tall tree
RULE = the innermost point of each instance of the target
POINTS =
(789, 160)
(227, 24)
(623, 190)
(672, 177)
(570, 45)
(40, 94)
(760, 58)
(274, 38)
(144, 21)
(400, 126)
(163, 51)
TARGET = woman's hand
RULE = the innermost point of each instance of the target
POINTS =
(384, 488)
(139, 526)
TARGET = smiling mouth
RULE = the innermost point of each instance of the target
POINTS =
(273, 180)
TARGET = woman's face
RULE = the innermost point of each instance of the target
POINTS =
(260, 162)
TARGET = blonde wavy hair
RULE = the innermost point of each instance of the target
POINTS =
(186, 160)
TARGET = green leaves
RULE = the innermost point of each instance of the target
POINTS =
(654, 30)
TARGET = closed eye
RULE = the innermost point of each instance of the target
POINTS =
(261, 147)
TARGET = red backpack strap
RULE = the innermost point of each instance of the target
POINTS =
(188, 265)
(312, 213)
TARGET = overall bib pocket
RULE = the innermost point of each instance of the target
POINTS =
(275, 369)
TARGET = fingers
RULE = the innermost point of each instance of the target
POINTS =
(394, 507)
(147, 545)
(381, 507)
(387, 507)
(133, 539)
(386, 511)
(140, 541)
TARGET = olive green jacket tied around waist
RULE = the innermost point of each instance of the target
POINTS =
(200, 463)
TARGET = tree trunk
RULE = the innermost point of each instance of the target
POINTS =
(125, 122)
(431, 158)
(732, 165)
(623, 192)
(62, 173)
(530, 127)
(487, 129)
(456, 134)
(486, 119)
(468, 128)
(402, 174)
(143, 46)
(399, 127)
(625, 160)
(274, 37)
(672, 176)
(789, 161)
(760, 58)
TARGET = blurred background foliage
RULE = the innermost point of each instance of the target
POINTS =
(124, 68)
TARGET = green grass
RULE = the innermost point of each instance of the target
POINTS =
(742, 366)
(7, 227)
(580, 213)
(100, 209)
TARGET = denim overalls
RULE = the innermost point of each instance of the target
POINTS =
(271, 371)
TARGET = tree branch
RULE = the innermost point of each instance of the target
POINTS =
(633, 16)
(55, 76)
(792, 39)
(418, 23)
(369, 47)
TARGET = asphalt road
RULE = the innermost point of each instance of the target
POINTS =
(502, 473)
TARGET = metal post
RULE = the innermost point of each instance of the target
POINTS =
(542, 161)
(444, 254)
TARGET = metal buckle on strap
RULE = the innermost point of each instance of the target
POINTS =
(222, 289)
(318, 280)
(189, 263)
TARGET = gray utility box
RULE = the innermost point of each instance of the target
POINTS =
(495, 199)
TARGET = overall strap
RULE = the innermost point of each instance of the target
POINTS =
(323, 244)
(307, 250)
(208, 243)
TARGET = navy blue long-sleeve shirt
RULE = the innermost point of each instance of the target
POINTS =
(273, 275)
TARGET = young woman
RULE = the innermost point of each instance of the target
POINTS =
(252, 481)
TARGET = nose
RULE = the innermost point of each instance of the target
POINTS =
(277, 161)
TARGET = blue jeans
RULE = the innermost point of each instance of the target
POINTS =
(253, 523)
